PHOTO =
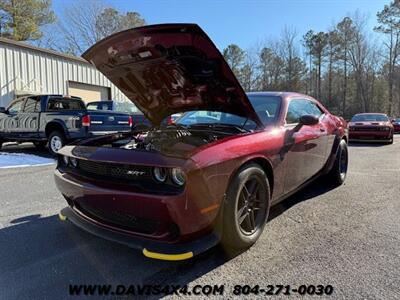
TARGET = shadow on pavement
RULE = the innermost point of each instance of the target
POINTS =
(41, 256)
(368, 144)
(318, 187)
(27, 148)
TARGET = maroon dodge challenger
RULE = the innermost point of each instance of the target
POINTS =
(176, 190)
(371, 127)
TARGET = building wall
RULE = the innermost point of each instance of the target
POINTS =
(26, 69)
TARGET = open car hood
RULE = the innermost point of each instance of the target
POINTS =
(171, 68)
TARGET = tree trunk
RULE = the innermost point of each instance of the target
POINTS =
(330, 82)
(344, 83)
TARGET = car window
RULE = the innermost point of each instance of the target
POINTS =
(56, 104)
(369, 118)
(16, 107)
(301, 107)
(32, 104)
(100, 106)
(92, 106)
(266, 107)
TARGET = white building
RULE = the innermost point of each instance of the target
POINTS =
(25, 69)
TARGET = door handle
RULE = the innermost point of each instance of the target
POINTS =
(34, 118)
(322, 129)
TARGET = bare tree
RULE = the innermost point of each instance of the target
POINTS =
(86, 22)
(389, 24)
(289, 55)
(362, 56)
(345, 34)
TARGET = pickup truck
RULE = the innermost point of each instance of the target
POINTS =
(127, 107)
(56, 120)
(139, 120)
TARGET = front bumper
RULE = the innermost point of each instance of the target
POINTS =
(99, 133)
(360, 135)
(152, 249)
(163, 224)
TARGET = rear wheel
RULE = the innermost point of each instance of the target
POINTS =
(246, 208)
(339, 170)
(56, 141)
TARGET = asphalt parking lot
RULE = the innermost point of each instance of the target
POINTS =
(348, 237)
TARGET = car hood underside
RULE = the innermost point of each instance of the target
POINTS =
(171, 68)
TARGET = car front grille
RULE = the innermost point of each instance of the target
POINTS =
(138, 176)
(115, 171)
(368, 128)
(118, 219)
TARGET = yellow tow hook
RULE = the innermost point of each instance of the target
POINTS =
(62, 217)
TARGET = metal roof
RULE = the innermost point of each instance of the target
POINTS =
(42, 50)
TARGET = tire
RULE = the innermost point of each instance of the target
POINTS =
(337, 175)
(241, 229)
(56, 141)
(39, 145)
(391, 140)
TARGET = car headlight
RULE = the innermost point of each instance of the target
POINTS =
(65, 160)
(385, 128)
(160, 174)
(74, 162)
(178, 176)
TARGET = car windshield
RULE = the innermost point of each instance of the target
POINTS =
(397, 120)
(369, 118)
(266, 107)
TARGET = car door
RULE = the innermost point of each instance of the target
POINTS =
(305, 147)
(29, 118)
(12, 122)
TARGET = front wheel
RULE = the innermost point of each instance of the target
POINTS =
(391, 139)
(246, 208)
(56, 142)
(339, 170)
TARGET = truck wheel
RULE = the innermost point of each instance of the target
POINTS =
(56, 141)
(246, 208)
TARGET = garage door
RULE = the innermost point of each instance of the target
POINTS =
(88, 92)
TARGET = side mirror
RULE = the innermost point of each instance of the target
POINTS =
(309, 120)
(3, 110)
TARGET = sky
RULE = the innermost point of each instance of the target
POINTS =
(246, 23)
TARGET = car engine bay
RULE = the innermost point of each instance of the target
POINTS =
(166, 140)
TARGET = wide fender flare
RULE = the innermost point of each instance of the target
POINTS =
(58, 122)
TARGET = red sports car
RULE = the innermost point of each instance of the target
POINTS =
(371, 127)
(177, 190)
(396, 125)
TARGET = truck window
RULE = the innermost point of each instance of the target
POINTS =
(32, 104)
(16, 107)
(56, 104)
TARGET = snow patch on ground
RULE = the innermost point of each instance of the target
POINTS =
(18, 160)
